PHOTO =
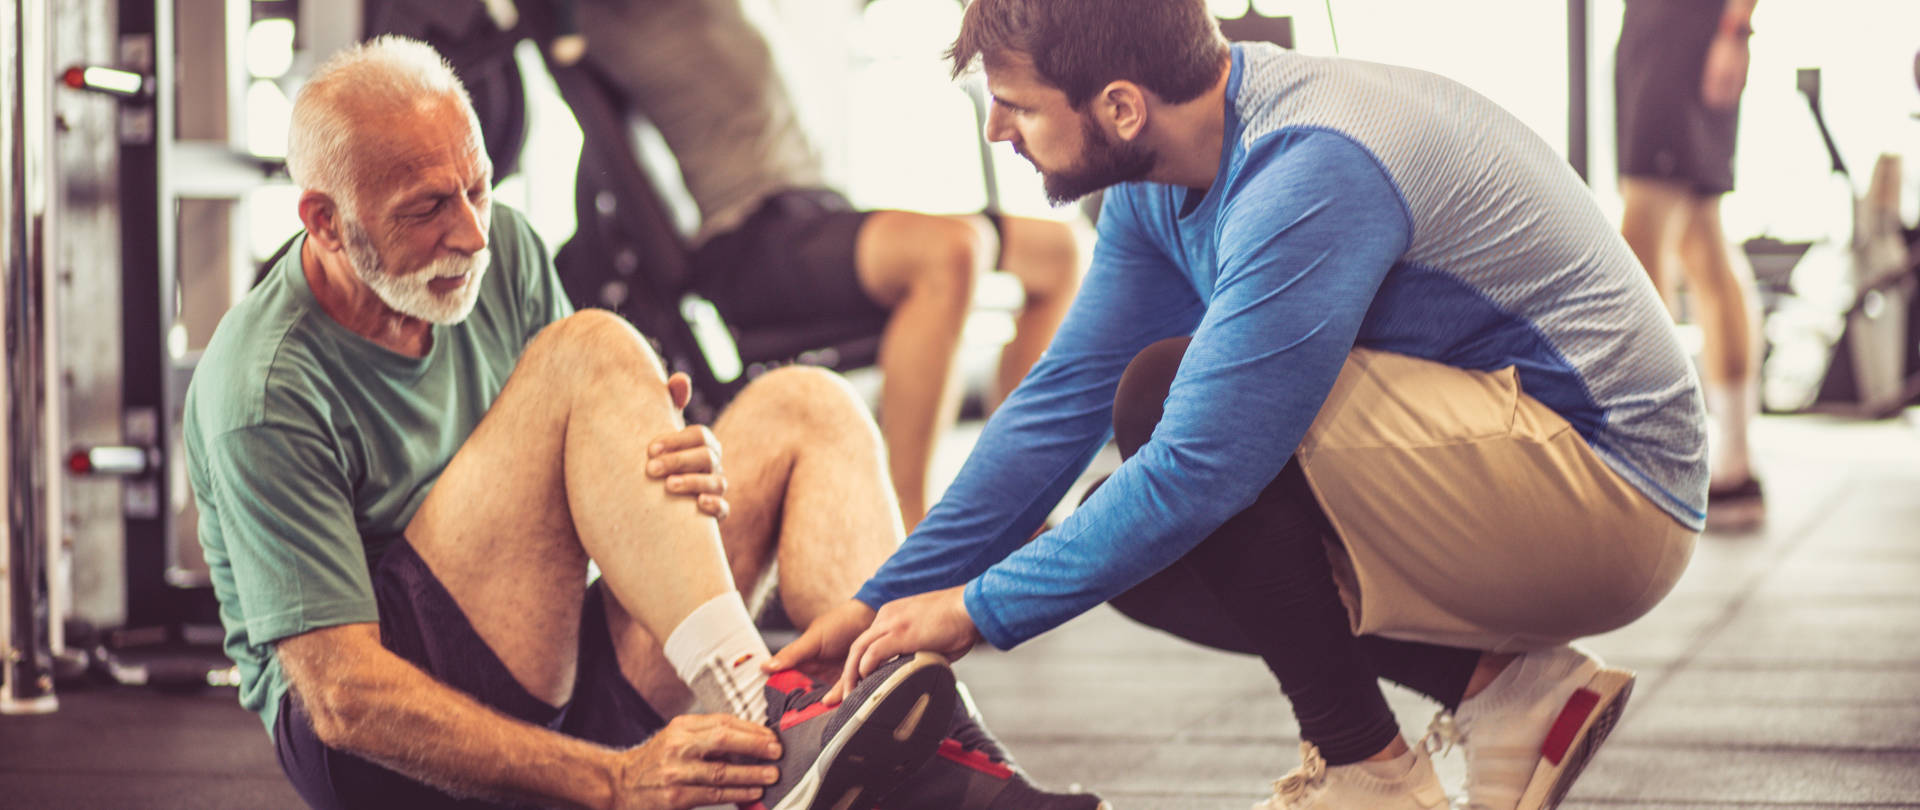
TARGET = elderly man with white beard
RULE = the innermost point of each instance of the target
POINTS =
(406, 448)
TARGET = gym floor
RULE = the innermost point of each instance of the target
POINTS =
(1783, 672)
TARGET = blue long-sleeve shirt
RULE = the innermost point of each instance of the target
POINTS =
(1355, 205)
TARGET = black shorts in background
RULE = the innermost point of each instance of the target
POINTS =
(1664, 131)
(420, 622)
(790, 262)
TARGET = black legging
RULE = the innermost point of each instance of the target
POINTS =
(1261, 584)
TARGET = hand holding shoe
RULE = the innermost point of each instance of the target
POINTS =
(821, 650)
(690, 763)
(936, 622)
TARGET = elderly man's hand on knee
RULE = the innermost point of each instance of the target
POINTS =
(689, 458)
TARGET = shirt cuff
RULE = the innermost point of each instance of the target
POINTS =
(986, 621)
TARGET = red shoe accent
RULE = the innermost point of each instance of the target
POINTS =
(742, 659)
(790, 680)
(1567, 725)
(950, 748)
(794, 718)
(753, 805)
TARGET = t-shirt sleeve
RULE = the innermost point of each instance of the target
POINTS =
(1308, 232)
(543, 298)
(1040, 440)
(285, 513)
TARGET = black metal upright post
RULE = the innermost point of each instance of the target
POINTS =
(144, 359)
(1577, 107)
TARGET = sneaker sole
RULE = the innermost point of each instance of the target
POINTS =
(1737, 516)
(1584, 723)
(888, 738)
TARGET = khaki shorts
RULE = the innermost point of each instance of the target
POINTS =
(1471, 515)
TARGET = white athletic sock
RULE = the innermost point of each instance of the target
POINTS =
(1391, 770)
(1732, 407)
(717, 652)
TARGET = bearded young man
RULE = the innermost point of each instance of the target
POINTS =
(1394, 400)
(406, 448)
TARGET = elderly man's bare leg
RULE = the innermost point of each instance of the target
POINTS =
(808, 483)
(554, 475)
(809, 489)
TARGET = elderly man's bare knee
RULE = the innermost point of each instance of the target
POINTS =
(805, 400)
(594, 349)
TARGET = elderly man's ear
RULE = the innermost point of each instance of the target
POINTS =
(321, 216)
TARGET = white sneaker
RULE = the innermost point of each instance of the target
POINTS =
(1317, 786)
(1529, 733)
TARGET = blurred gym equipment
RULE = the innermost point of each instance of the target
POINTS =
(1844, 337)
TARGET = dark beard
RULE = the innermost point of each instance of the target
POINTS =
(1108, 162)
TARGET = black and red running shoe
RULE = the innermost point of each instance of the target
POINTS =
(847, 757)
(972, 771)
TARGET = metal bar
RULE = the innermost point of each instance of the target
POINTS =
(1577, 106)
(26, 676)
(145, 243)
(45, 186)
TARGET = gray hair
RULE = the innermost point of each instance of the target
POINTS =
(388, 72)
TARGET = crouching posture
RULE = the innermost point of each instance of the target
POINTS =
(1395, 400)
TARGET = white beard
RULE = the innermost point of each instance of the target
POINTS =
(408, 294)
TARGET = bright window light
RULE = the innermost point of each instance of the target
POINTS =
(1228, 9)
(908, 29)
(1272, 8)
(268, 116)
(273, 214)
(177, 341)
(270, 47)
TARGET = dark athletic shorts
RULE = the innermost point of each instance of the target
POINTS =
(1664, 131)
(790, 262)
(420, 622)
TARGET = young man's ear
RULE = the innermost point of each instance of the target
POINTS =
(321, 216)
(1122, 107)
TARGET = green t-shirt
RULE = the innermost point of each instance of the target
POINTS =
(309, 447)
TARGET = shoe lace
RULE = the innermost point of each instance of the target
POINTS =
(780, 701)
(1443, 734)
(1311, 774)
(974, 738)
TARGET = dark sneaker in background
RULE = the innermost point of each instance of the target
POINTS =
(972, 771)
(1741, 508)
(847, 757)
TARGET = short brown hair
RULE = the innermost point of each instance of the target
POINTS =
(1171, 47)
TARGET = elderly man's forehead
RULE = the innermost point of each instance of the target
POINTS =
(405, 131)
(409, 154)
